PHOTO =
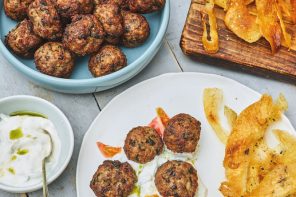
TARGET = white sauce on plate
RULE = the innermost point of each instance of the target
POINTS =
(23, 145)
(146, 172)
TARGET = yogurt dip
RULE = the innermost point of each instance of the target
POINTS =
(23, 146)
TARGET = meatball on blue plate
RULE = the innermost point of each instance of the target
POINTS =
(81, 79)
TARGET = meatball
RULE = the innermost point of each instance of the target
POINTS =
(22, 40)
(113, 178)
(107, 60)
(121, 3)
(69, 8)
(176, 178)
(53, 59)
(142, 144)
(84, 35)
(182, 133)
(16, 9)
(45, 19)
(111, 19)
(136, 29)
(145, 6)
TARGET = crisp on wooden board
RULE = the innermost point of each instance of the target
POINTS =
(256, 56)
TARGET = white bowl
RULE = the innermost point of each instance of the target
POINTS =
(63, 127)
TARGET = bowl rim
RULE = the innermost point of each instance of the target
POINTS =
(165, 15)
(70, 148)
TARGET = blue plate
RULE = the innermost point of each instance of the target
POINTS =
(81, 80)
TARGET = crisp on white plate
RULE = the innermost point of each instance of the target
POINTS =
(175, 93)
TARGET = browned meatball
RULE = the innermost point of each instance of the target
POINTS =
(136, 29)
(121, 3)
(69, 8)
(111, 19)
(107, 60)
(113, 179)
(142, 144)
(16, 9)
(45, 19)
(22, 40)
(182, 133)
(176, 178)
(145, 6)
(84, 35)
(54, 60)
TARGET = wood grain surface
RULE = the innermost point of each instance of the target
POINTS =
(256, 56)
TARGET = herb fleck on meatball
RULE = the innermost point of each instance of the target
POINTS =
(107, 60)
(113, 178)
(84, 35)
(22, 40)
(45, 19)
(54, 60)
(142, 144)
(182, 133)
(176, 178)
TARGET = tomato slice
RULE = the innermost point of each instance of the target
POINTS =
(162, 115)
(108, 151)
(160, 121)
(156, 123)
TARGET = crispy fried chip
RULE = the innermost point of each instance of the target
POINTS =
(212, 100)
(262, 161)
(288, 146)
(248, 130)
(230, 115)
(210, 41)
(224, 3)
(241, 22)
(280, 182)
(293, 10)
(270, 27)
(287, 38)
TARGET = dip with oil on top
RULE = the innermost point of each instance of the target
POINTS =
(24, 144)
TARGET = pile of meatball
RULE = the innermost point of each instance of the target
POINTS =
(55, 32)
(142, 145)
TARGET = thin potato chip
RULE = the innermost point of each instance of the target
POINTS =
(262, 161)
(280, 182)
(270, 27)
(241, 22)
(293, 10)
(210, 41)
(225, 3)
(248, 130)
(286, 36)
(212, 100)
(288, 144)
(230, 115)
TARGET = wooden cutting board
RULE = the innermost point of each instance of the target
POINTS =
(256, 56)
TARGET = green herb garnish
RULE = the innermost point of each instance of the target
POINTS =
(16, 134)
(22, 151)
(136, 190)
(11, 170)
(28, 113)
(13, 158)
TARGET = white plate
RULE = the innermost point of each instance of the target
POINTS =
(176, 93)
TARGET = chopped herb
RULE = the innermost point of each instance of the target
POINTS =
(136, 190)
(11, 170)
(13, 158)
(16, 134)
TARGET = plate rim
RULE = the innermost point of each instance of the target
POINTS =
(25, 70)
(110, 103)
